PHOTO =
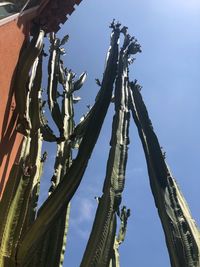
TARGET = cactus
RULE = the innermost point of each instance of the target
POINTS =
(53, 71)
(181, 233)
(99, 249)
(66, 188)
(31, 239)
(20, 212)
(26, 61)
(124, 214)
(52, 249)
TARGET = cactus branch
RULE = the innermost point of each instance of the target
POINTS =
(181, 233)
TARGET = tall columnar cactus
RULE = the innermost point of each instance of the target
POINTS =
(18, 203)
(30, 239)
(181, 233)
(52, 248)
(62, 194)
(99, 250)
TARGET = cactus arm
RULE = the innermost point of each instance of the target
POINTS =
(67, 106)
(66, 189)
(79, 83)
(53, 77)
(181, 232)
(24, 66)
(47, 132)
(115, 259)
(124, 214)
(36, 140)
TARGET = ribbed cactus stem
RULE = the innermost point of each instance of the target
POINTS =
(53, 77)
(36, 139)
(115, 259)
(68, 186)
(20, 212)
(99, 249)
(54, 242)
(181, 233)
(26, 61)
(14, 212)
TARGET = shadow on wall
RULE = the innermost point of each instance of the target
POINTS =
(10, 139)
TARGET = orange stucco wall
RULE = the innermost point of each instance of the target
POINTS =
(12, 36)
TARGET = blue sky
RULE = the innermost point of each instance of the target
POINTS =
(168, 70)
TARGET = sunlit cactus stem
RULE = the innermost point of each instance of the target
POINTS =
(53, 246)
(124, 215)
(26, 61)
(68, 186)
(20, 209)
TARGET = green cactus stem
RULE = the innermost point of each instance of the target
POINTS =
(101, 242)
(25, 64)
(51, 249)
(181, 233)
(53, 246)
(124, 214)
(20, 209)
(115, 257)
(53, 78)
(36, 139)
(68, 186)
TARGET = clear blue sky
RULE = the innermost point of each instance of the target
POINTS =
(168, 69)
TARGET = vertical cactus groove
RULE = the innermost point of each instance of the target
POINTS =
(181, 233)
(99, 249)
(68, 186)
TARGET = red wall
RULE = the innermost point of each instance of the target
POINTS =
(12, 36)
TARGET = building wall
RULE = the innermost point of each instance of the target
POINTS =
(12, 37)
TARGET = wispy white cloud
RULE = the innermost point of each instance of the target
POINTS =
(83, 212)
(86, 210)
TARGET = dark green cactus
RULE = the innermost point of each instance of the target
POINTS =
(20, 204)
(37, 240)
(67, 187)
(181, 233)
(53, 246)
(99, 250)
(53, 78)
